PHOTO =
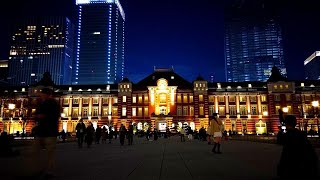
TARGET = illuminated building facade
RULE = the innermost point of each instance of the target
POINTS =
(253, 42)
(312, 66)
(41, 44)
(165, 99)
(100, 42)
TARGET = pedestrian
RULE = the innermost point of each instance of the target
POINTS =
(155, 134)
(217, 128)
(110, 134)
(47, 116)
(104, 135)
(89, 134)
(130, 135)
(298, 158)
(122, 133)
(63, 135)
(148, 134)
(98, 134)
(80, 132)
(115, 132)
(182, 134)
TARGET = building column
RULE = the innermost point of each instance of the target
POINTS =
(216, 104)
(259, 105)
(70, 107)
(100, 107)
(80, 107)
(238, 104)
(248, 104)
(90, 107)
(110, 106)
(227, 103)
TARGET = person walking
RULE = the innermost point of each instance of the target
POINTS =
(122, 133)
(98, 134)
(216, 129)
(104, 135)
(182, 134)
(80, 132)
(110, 134)
(89, 135)
(47, 116)
(130, 135)
(298, 158)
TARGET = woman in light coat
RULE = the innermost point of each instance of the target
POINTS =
(216, 129)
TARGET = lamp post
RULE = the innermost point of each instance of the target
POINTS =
(11, 107)
(315, 105)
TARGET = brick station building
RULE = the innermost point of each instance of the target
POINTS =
(165, 99)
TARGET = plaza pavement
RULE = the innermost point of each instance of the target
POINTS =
(157, 160)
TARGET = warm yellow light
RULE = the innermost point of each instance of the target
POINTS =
(12, 106)
(315, 103)
(63, 115)
(285, 109)
(265, 113)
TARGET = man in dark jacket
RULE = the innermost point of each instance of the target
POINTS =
(47, 116)
(81, 131)
(122, 132)
(298, 159)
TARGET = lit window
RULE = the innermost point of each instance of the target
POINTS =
(134, 111)
(163, 98)
(124, 98)
(200, 98)
(263, 98)
(124, 111)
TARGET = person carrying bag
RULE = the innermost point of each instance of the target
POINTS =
(216, 127)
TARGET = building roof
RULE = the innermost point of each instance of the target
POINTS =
(168, 74)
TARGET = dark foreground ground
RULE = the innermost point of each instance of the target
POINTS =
(150, 160)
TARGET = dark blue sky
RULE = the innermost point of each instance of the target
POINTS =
(185, 34)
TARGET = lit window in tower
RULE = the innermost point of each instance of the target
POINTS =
(78, 42)
(109, 40)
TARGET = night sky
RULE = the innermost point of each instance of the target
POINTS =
(185, 34)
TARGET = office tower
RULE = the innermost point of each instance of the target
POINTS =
(253, 42)
(3, 70)
(312, 66)
(100, 42)
(38, 45)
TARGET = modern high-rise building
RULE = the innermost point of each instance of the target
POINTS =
(3, 70)
(312, 66)
(38, 45)
(253, 42)
(100, 42)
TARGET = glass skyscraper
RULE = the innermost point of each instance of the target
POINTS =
(39, 45)
(253, 43)
(312, 66)
(100, 42)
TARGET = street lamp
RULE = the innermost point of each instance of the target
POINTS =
(315, 105)
(285, 109)
(11, 107)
